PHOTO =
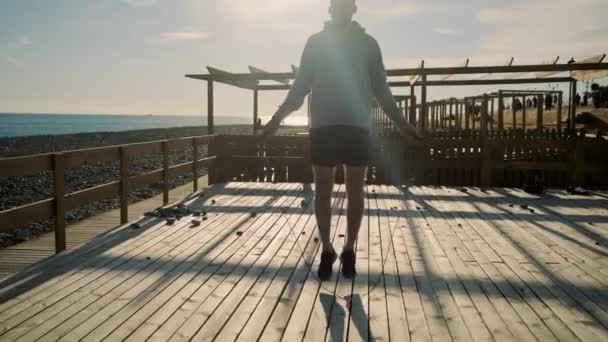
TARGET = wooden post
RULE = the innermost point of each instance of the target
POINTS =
(195, 165)
(524, 114)
(467, 113)
(578, 176)
(501, 111)
(59, 182)
(413, 104)
(539, 113)
(573, 107)
(423, 104)
(210, 126)
(560, 99)
(486, 163)
(514, 113)
(255, 111)
(413, 111)
(124, 185)
(165, 172)
(452, 115)
(484, 116)
(492, 114)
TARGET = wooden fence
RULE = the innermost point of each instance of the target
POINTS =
(459, 158)
(58, 163)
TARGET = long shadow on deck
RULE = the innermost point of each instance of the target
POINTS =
(94, 258)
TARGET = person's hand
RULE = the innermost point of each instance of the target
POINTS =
(271, 127)
(411, 131)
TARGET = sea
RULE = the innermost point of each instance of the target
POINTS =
(15, 125)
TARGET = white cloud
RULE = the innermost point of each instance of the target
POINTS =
(537, 30)
(404, 9)
(25, 40)
(182, 36)
(252, 9)
(140, 3)
(444, 30)
(10, 60)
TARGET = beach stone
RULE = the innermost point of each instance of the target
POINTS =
(195, 223)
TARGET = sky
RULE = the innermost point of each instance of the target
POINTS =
(130, 56)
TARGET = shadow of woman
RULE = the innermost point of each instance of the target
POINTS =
(336, 317)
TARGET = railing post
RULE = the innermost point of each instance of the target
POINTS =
(124, 185)
(539, 113)
(579, 159)
(210, 122)
(194, 165)
(486, 153)
(501, 111)
(559, 112)
(165, 172)
(59, 187)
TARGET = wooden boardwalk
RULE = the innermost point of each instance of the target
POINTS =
(435, 264)
(16, 258)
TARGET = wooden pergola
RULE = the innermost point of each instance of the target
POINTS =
(258, 80)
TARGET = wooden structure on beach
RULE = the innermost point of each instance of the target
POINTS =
(420, 78)
(438, 259)
(433, 264)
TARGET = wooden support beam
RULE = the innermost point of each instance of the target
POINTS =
(210, 126)
(124, 185)
(195, 158)
(539, 113)
(423, 104)
(165, 172)
(501, 111)
(524, 114)
(59, 192)
(255, 111)
(573, 106)
(514, 113)
(560, 99)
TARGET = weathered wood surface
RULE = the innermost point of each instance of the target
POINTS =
(434, 263)
(15, 258)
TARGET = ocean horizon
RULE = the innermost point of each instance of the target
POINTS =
(31, 124)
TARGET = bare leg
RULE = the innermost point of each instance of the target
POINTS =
(355, 181)
(324, 184)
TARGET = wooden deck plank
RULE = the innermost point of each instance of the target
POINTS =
(104, 289)
(451, 264)
(325, 306)
(561, 326)
(483, 291)
(431, 251)
(213, 228)
(389, 224)
(105, 321)
(88, 228)
(412, 301)
(283, 310)
(308, 303)
(62, 274)
(378, 320)
(264, 266)
(358, 322)
(337, 307)
(198, 300)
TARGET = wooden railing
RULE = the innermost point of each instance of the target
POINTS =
(57, 163)
(460, 158)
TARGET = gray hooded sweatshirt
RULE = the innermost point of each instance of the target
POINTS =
(343, 70)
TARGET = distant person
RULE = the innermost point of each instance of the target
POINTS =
(548, 102)
(577, 99)
(535, 102)
(529, 103)
(585, 100)
(343, 68)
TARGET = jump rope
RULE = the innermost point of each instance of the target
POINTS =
(310, 264)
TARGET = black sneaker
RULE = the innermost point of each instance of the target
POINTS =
(348, 263)
(325, 267)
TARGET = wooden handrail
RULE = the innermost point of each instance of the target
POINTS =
(58, 162)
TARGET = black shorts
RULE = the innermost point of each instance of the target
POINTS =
(339, 145)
